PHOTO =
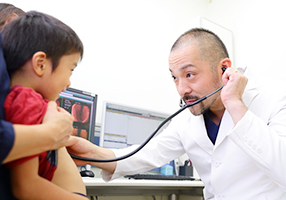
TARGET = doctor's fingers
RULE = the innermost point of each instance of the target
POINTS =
(234, 84)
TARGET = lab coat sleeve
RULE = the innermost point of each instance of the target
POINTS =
(265, 142)
(160, 150)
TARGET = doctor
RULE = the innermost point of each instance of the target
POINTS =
(236, 139)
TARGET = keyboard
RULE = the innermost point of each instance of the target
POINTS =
(160, 177)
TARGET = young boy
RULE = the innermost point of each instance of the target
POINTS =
(40, 52)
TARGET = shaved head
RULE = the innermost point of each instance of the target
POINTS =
(211, 48)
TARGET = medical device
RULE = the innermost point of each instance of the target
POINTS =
(82, 106)
(124, 125)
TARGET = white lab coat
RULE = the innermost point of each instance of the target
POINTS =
(248, 160)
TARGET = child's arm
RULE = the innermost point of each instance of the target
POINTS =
(27, 184)
(67, 175)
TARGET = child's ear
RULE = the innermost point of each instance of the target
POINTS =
(39, 62)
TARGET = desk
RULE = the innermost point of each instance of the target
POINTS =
(125, 187)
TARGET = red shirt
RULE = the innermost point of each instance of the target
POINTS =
(25, 106)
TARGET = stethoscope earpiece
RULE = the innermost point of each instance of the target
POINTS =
(223, 69)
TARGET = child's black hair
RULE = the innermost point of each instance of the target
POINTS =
(34, 32)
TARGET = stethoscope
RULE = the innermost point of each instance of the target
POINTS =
(183, 107)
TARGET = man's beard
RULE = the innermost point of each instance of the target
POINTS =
(203, 107)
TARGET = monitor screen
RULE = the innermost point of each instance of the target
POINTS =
(123, 126)
(82, 106)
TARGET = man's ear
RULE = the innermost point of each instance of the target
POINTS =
(39, 62)
(225, 63)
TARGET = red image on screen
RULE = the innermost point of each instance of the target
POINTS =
(80, 113)
(83, 133)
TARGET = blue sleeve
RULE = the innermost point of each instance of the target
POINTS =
(7, 137)
(7, 134)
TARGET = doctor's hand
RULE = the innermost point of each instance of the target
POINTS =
(80, 147)
(231, 94)
(84, 148)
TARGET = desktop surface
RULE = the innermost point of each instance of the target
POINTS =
(125, 186)
(99, 182)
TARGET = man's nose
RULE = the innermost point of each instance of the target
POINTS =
(183, 88)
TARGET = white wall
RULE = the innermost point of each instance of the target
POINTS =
(127, 42)
(259, 33)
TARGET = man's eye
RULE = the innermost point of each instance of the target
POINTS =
(189, 75)
(174, 78)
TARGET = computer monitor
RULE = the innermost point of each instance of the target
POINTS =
(82, 106)
(123, 126)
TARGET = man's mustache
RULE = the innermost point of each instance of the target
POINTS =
(190, 97)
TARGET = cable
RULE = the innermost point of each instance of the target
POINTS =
(150, 137)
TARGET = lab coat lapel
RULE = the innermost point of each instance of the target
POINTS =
(226, 125)
(200, 134)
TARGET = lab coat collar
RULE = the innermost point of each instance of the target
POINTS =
(200, 134)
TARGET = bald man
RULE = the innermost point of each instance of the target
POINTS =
(236, 139)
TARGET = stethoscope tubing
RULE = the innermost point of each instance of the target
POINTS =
(150, 137)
